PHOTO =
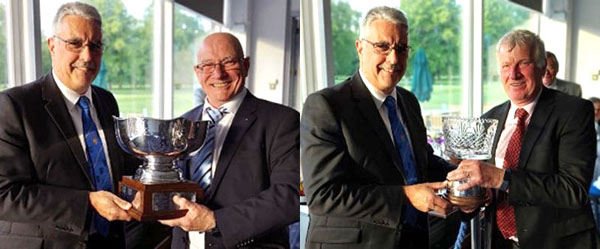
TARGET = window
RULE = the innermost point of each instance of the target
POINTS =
(190, 28)
(3, 54)
(126, 68)
(500, 17)
(435, 37)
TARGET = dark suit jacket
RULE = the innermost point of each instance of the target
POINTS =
(44, 175)
(352, 172)
(549, 189)
(255, 190)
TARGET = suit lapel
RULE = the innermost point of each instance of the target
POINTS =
(364, 101)
(57, 109)
(500, 115)
(107, 124)
(541, 113)
(243, 120)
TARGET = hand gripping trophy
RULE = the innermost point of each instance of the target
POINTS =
(160, 143)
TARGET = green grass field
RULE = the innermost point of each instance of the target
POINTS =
(139, 101)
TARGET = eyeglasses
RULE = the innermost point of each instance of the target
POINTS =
(77, 45)
(384, 48)
(227, 64)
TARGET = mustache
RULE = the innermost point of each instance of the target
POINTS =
(82, 64)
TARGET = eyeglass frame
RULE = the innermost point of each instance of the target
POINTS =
(404, 49)
(93, 46)
(221, 64)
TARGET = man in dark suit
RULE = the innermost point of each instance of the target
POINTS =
(544, 153)
(59, 159)
(552, 82)
(365, 155)
(251, 173)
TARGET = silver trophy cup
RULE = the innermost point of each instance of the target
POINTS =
(468, 138)
(159, 143)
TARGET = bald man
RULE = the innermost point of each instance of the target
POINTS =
(249, 164)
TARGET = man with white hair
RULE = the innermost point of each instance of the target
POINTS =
(59, 159)
(544, 152)
(364, 151)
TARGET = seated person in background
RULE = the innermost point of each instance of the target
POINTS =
(550, 80)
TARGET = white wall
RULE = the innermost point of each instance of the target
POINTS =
(267, 34)
(585, 47)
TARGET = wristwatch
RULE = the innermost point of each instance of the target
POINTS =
(505, 180)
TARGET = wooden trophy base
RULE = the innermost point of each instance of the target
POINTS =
(153, 202)
(475, 201)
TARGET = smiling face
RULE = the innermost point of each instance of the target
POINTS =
(76, 70)
(225, 82)
(520, 77)
(551, 71)
(383, 71)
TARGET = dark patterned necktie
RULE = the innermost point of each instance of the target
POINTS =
(96, 159)
(202, 170)
(405, 153)
(505, 214)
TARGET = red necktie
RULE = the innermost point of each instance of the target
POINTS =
(505, 214)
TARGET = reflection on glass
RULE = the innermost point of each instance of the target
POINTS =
(500, 17)
(434, 64)
(127, 32)
(3, 54)
(190, 28)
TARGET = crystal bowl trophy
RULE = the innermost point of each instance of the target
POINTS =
(468, 138)
(159, 143)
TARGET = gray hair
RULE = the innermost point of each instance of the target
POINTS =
(78, 9)
(384, 13)
(594, 100)
(525, 39)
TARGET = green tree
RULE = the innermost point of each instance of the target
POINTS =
(499, 18)
(187, 33)
(435, 27)
(344, 30)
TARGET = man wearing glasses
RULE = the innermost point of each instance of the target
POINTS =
(59, 160)
(365, 157)
(248, 166)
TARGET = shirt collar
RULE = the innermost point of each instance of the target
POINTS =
(232, 105)
(528, 107)
(378, 96)
(71, 97)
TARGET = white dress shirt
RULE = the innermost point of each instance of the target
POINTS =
(509, 128)
(71, 97)
(196, 238)
(379, 98)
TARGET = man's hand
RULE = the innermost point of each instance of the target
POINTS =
(423, 198)
(110, 206)
(198, 217)
(478, 173)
